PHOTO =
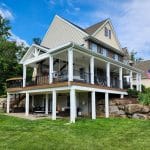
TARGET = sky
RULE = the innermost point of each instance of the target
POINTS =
(130, 18)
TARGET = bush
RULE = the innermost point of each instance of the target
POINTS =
(143, 88)
(133, 93)
(144, 97)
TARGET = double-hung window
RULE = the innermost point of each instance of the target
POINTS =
(94, 47)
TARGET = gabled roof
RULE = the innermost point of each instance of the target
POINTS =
(143, 65)
(92, 29)
(75, 25)
(29, 51)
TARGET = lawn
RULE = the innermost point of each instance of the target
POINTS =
(107, 134)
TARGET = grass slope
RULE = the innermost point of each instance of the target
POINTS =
(114, 134)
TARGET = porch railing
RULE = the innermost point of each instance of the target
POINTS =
(81, 76)
(38, 80)
(115, 83)
(14, 83)
(100, 80)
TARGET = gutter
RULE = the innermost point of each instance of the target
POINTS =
(104, 44)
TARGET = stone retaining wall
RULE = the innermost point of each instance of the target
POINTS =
(129, 108)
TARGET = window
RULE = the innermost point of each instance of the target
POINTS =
(94, 47)
(106, 31)
(110, 34)
(116, 57)
(99, 49)
(104, 52)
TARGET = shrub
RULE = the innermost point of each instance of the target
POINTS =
(143, 88)
(144, 98)
(132, 93)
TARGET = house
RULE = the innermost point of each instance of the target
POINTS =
(73, 68)
(145, 66)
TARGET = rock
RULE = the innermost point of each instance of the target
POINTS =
(133, 108)
(139, 116)
(121, 107)
(115, 110)
(145, 109)
(123, 101)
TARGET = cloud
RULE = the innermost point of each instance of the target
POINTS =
(18, 40)
(134, 27)
(5, 12)
(131, 20)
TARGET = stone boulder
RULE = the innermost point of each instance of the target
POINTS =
(140, 116)
(145, 109)
(133, 108)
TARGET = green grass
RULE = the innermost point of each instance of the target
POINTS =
(102, 134)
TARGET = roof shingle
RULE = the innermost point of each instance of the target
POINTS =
(90, 30)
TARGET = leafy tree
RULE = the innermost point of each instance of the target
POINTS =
(10, 54)
(4, 28)
(37, 40)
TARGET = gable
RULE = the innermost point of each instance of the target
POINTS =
(33, 52)
(100, 35)
(61, 32)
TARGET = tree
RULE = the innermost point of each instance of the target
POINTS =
(4, 28)
(10, 54)
(133, 55)
(37, 41)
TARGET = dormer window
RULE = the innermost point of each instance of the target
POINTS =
(106, 31)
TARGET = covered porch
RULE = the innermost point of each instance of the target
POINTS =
(70, 102)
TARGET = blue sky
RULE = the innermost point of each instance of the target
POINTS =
(131, 19)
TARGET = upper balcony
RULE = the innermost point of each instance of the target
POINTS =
(72, 65)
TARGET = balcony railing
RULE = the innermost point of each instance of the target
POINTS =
(100, 80)
(81, 76)
(78, 76)
(115, 83)
(38, 80)
(14, 82)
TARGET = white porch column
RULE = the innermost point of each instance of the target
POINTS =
(27, 104)
(24, 75)
(92, 69)
(131, 79)
(137, 81)
(8, 102)
(106, 105)
(140, 84)
(54, 105)
(120, 78)
(50, 69)
(72, 105)
(70, 64)
(122, 96)
(46, 104)
(93, 105)
(108, 73)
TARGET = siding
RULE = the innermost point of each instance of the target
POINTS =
(61, 32)
(112, 42)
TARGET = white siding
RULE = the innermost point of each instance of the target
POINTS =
(61, 32)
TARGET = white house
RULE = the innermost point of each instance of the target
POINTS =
(72, 68)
